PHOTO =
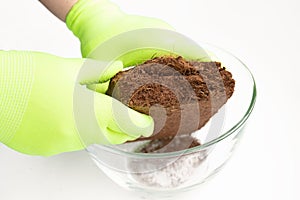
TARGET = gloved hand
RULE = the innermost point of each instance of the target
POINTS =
(96, 21)
(45, 108)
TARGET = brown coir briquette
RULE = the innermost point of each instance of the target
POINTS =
(180, 95)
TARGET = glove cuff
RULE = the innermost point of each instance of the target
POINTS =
(16, 79)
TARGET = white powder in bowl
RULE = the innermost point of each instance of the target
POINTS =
(166, 172)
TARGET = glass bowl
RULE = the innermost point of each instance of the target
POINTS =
(164, 173)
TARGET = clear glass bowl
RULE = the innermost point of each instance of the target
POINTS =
(183, 170)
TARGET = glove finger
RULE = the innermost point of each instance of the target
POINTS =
(100, 87)
(115, 137)
(114, 116)
(94, 71)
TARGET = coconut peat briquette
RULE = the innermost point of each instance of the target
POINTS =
(190, 92)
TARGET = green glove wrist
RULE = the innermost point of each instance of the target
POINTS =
(42, 105)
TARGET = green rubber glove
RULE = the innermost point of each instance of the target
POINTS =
(45, 108)
(96, 21)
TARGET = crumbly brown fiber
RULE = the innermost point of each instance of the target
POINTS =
(190, 92)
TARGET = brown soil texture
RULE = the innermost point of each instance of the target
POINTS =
(180, 95)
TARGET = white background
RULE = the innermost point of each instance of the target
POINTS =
(264, 34)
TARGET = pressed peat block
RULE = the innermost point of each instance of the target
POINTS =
(190, 92)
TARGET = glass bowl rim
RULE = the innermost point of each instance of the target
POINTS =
(238, 125)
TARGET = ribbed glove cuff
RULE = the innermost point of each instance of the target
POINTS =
(16, 80)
